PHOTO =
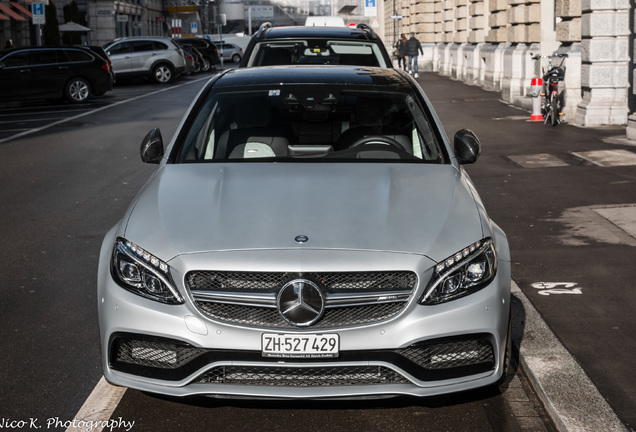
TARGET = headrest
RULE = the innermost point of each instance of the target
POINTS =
(253, 112)
(372, 111)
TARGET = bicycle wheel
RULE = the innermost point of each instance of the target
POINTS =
(555, 108)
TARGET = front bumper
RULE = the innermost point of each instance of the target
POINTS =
(426, 350)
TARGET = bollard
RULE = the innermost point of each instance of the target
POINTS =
(536, 87)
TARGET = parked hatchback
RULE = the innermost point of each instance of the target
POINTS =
(154, 57)
(231, 52)
(74, 73)
(275, 46)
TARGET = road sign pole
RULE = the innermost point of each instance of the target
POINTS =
(38, 18)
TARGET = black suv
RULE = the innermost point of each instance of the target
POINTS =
(359, 46)
(74, 73)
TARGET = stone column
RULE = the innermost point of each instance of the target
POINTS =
(605, 62)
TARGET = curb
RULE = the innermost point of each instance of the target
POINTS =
(569, 396)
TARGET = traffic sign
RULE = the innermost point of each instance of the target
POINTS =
(37, 10)
(370, 8)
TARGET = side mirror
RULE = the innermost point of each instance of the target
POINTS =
(152, 147)
(467, 146)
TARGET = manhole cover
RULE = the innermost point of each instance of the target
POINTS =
(541, 160)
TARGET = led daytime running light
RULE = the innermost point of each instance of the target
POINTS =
(457, 258)
(147, 257)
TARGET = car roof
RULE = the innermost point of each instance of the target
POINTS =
(126, 38)
(314, 74)
(47, 47)
(364, 33)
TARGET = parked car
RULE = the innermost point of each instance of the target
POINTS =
(191, 60)
(205, 47)
(198, 60)
(359, 46)
(231, 52)
(53, 72)
(310, 232)
(154, 57)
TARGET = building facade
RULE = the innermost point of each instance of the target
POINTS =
(489, 43)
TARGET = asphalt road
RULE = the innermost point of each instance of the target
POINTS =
(73, 171)
(566, 198)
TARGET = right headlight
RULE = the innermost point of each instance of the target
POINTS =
(463, 273)
(142, 273)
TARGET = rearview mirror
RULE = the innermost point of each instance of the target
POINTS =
(152, 147)
(467, 146)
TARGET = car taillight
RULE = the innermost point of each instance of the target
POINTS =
(105, 67)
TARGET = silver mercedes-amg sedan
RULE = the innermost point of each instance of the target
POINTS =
(309, 233)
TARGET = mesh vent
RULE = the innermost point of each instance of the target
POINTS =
(301, 377)
(269, 282)
(154, 354)
(451, 354)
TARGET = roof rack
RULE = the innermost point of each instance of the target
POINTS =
(265, 26)
(365, 27)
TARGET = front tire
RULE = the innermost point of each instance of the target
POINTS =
(162, 74)
(77, 90)
(554, 109)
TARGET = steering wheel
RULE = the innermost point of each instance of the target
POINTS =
(379, 140)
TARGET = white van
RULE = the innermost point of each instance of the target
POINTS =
(324, 21)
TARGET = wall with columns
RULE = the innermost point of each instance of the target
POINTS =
(489, 43)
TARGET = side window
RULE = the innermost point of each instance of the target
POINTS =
(120, 48)
(158, 46)
(43, 57)
(16, 59)
(76, 56)
(141, 46)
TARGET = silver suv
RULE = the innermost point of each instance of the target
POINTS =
(158, 58)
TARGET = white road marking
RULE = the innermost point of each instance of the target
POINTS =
(99, 407)
(84, 114)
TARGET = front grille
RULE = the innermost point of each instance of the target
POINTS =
(301, 377)
(249, 298)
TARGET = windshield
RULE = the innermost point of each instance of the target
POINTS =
(317, 51)
(310, 123)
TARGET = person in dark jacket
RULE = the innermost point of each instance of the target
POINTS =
(400, 47)
(413, 50)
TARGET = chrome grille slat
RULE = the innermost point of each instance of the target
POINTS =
(249, 298)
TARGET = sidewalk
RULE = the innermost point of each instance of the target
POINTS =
(566, 197)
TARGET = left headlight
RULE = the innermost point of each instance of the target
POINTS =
(463, 273)
(142, 273)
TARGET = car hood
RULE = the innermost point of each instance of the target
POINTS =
(405, 208)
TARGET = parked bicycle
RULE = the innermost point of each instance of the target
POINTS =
(552, 99)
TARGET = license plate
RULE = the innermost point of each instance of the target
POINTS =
(300, 346)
